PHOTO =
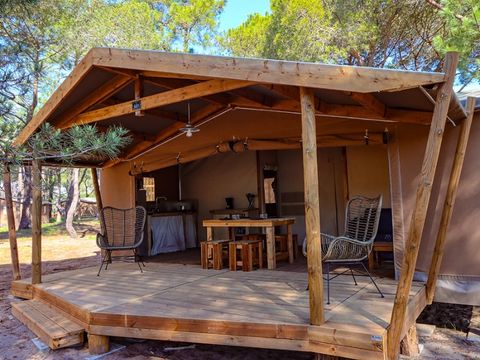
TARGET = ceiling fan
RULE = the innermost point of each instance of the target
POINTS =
(189, 129)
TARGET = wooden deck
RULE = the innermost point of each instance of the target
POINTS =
(263, 308)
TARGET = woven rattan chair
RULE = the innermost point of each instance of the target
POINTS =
(353, 247)
(122, 229)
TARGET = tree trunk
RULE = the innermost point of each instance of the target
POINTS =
(25, 218)
(58, 204)
(73, 204)
(50, 184)
(12, 235)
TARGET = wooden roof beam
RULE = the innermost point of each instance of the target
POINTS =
(294, 73)
(97, 96)
(161, 113)
(369, 101)
(173, 83)
(157, 100)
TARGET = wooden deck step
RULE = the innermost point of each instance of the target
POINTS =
(48, 323)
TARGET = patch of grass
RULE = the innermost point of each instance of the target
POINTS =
(55, 229)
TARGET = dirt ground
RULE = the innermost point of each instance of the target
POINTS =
(61, 253)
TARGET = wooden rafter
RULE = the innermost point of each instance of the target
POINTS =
(95, 97)
(419, 212)
(159, 74)
(369, 101)
(157, 100)
(162, 113)
(173, 83)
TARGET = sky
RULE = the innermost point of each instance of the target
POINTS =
(237, 11)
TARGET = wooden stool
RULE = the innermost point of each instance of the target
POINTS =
(379, 246)
(212, 253)
(281, 246)
(250, 251)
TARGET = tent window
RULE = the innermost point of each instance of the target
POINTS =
(269, 190)
(149, 186)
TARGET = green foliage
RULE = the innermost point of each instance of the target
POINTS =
(462, 18)
(52, 145)
(300, 30)
(248, 39)
(126, 24)
(190, 22)
(378, 33)
(42, 40)
(294, 30)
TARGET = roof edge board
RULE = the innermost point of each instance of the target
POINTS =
(315, 75)
(75, 77)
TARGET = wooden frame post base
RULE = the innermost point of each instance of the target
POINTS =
(409, 344)
(98, 344)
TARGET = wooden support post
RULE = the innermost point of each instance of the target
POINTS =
(312, 206)
(36, 222)
(98, 196)
(450, 200)
(210, 234)
(420, 208)
(98, 344)
(12, 233)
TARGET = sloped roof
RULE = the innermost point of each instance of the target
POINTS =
(147, 92)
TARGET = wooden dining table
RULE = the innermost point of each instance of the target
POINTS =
(268, 224)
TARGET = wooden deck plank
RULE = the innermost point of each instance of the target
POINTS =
(174, 301)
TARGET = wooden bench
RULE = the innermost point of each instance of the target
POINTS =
(213, 253)
(48, 323)
(250, 253)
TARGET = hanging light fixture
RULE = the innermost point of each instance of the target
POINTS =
(365, 137)
(189, 129)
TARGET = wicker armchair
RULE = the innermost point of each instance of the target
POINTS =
(361, 224)
(122, 229)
